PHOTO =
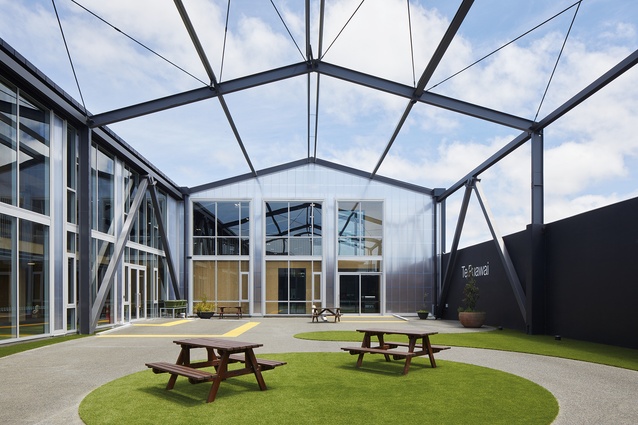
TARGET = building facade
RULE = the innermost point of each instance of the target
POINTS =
(311, 232)
(93, 235)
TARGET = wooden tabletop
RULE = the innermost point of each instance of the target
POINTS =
(407, 332)
(218, 344)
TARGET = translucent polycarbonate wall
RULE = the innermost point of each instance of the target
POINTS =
(408, 238)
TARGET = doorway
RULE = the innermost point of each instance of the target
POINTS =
(360, 293)
(135, 295)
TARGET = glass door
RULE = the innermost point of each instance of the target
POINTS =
(135, 297)
(359, 293)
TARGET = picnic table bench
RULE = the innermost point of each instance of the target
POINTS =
(227, 352)
(194, 375)
(222, 311)
(326, 311)
(387, 349)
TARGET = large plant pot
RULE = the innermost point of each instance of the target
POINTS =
(472, 319)
(205, 314)
(423, 314)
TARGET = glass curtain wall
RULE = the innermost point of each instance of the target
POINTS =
(102, 245)
(360, 248)
(71, 163)
(8, 310)
(293, 229)
(221, 250)
(24, 243)
(143, 256)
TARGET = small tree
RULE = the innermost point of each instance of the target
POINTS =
(470, 295)
(425, 305)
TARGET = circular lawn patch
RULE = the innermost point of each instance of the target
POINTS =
(320, 388)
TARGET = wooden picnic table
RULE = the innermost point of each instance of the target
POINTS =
(223, 308)
(327, 311)
(228, 351)
(389, 348)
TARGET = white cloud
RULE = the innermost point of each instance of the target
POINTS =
(590, 154)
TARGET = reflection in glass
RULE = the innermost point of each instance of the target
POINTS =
(34, 157)
(8, 156)
(221, 228)
(360, 228)
(102, 168)
(293, 228)
(289, 286)
(33, 285)
(7, 278)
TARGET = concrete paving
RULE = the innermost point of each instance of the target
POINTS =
(46, 385)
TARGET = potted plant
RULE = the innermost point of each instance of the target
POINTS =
(204, 309)
(468, 316)
(423, 313)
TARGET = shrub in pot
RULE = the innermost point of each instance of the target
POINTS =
(468, 316)
(204, 309)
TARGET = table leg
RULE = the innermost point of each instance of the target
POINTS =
(222, 368)
(408, 360)
(428, 347)
(184, 358)
(382, 346)
(251, 362)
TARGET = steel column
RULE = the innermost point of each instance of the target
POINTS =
(536, 306)
(447, 276)
(85, 300)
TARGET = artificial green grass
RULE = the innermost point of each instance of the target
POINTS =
(7, 350)
(510, 340)
(320, 388)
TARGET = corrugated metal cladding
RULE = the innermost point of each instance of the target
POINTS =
(408, 229)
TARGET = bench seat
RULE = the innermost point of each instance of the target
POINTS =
(194, 375)
(387, 352)
(435, 348)
(264, 364)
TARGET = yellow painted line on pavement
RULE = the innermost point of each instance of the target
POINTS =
(240, 330)
(230, 334)
(172, 323)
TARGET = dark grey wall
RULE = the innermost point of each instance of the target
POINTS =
(591, 277)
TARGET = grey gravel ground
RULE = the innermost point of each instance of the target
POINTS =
(46, 385)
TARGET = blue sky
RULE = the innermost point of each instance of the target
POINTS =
(590, 154)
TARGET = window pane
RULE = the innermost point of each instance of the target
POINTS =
(8, 156)
(34, 281)
(203, 219)
(372, 213)
(102, 180)
(317, 215)
(244, 216)
(276, 218)
(277, 246)
(227, 219)
(300, 219)
(227, 246)
(203, 246)
(228, 282)
(349, 223)
(71, 157)
(300, 246)
(7, 277)
(34, 157)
